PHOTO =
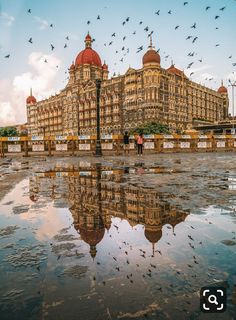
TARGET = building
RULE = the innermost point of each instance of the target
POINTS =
(150, 93)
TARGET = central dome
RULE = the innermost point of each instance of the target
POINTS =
(151, 56)
(88, 55)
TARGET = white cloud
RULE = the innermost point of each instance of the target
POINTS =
(43, 23)
(13, 94)
(7, 19)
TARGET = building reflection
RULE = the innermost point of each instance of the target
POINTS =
(96, 194)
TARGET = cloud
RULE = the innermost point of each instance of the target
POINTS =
(7, 19)
(40, 79)
(43, 23)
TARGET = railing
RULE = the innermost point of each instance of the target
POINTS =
(113, 144)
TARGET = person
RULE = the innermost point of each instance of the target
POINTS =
(126, 142)
(140, 144)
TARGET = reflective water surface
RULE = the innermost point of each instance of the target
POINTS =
(117, 240)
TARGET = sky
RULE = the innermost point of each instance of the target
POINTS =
(51, 21)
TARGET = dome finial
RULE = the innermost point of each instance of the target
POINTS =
(88, 41)
(172, 62)
(31, 92)
(150, 45)
(222, 83)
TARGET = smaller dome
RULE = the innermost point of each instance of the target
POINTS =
(72, 67)
(174, 70)
(31, 100)
(151, 56)
(222, 89)
(88, 37)
(105, 66)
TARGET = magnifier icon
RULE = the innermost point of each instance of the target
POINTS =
(212, 299)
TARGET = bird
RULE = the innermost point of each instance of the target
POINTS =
(114, 258)
(7, 56)
(121, 59)
(134, 32)
(98, 17)
(217, 45)
(139, 49)
(29, 10)
(65, 45)
(194, 26)
(194, 39)
(217, 17)
(124, 38)
(67, 37)
(188, 37)
(234, 64)
(157, 12)
(223, 8)
(51, 25)
(30, 40)
(127, 19)
(88, 22)
(169, 12)
(46, 61)
(140, 22)
(176, 27)
(191, 74)
(123, 23)
(52, 47)
(146, 29)
(113, 34)
(190, 237)
(200, 60)
(207, 8)
(185, 3)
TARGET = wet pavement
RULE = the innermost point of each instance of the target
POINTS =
(116, 238)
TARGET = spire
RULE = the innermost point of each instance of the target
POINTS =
(31, 92)
(150, 45)
(172, 62)
(153, 249)
(222, 83)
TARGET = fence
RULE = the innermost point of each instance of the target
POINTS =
(113, 144)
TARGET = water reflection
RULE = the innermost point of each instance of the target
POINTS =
(97, 193)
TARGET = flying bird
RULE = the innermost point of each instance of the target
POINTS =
(113, 34)
(88, 22)
(157, 12)
(194, 25)
(67, 38)
(51, 25)
(222, 9)
(217, 17)
(65, 45)
(207, 8)
(194, 39)
(185, 3)
(98, 17)
(7, 56)
(29, 10)
(146, 29)
(52, 47)
(176, 27)
(188, 37)
(169, 12)
(30, 40)
(127, 19)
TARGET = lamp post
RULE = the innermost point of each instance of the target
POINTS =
(98, 152)
(232, 84)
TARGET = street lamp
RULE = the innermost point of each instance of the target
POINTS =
(98, 152)
(232, 84)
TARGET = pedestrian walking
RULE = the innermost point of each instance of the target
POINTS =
(126, 142)
(140, 142)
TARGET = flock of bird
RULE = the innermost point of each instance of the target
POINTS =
(124, 50)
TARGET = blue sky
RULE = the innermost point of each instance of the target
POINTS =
(26, 67)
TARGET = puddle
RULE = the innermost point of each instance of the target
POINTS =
(119, 239)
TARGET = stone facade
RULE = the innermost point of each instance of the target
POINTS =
(151, 93)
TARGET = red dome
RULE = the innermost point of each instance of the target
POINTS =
(153, 236)
(88, 55)
(222, 89)
(72, 67)
(92, 237)
(31, 100)
(176, 71)
(151, 56)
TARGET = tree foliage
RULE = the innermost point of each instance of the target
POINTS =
(151, 128)
(8, 132)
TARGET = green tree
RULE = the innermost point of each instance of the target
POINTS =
(151, 128)
(8, 132)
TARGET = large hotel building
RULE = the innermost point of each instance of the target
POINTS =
(150, 93)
